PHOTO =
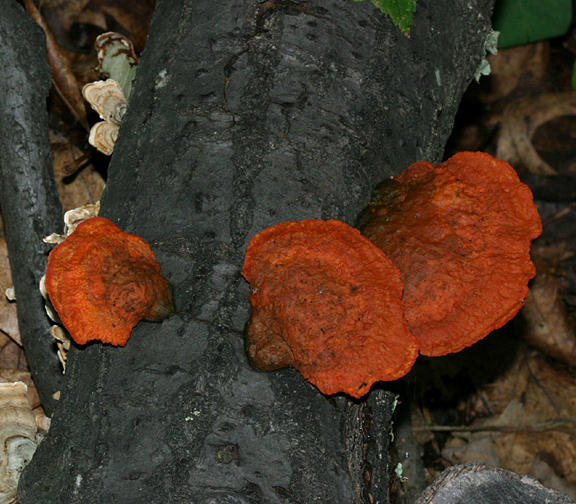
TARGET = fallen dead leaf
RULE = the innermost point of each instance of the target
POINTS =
(545, 469)
(547, 325)
(529, 410)
(521, 119)
(85, 185)
(12, 375)
(11, 355)
(471, 447)
(131, 16)
(63, 78)
(516, 71)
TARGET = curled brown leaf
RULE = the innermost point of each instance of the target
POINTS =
(548, 326)
(63, 78)
(521, 119)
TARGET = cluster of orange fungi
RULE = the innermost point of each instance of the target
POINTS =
(444, 260)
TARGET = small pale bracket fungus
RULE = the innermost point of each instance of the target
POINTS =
(106, 98)
(327, 302)
(118, 62)
(460, 234)
(62, 344)
(78, 215)
(72, 218)
(102, 282)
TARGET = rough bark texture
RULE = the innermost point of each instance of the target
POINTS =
(28, 195)
(244, 114)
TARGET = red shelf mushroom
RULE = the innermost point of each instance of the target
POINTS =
(102, 282)
(460, 234)
(326, 301)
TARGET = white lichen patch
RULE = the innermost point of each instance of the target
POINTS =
(490, 47)
(161, 79)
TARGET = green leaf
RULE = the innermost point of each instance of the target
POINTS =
(574, 76)
(399, 10)
(525, 21)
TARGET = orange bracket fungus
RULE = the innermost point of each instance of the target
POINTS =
(460, 235)
(326, 301)
(102, 282)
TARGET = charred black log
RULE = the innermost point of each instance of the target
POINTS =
(245, 114)
(28, 194)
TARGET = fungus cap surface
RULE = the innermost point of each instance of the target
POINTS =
(327, 302)
(102, 282)
(460, 234)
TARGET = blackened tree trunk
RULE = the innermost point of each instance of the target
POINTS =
(28, 197)
(245, 114)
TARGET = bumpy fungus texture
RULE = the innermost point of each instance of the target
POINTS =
(102, 282)
(460, 234)
(326, 301)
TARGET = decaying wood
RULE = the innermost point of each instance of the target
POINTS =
(241, 118)
(481, 484)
